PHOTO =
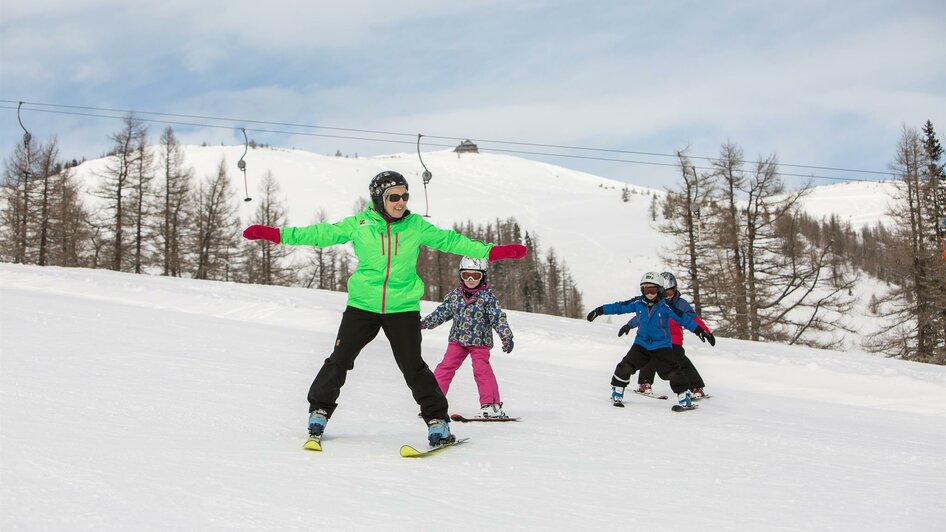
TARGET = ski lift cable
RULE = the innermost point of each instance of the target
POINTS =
(488, 149)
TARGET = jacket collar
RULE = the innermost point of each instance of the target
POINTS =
(384, 216)
(469, 294)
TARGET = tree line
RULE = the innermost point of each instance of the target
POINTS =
(747, 256)
(763, 270)
(152, 215)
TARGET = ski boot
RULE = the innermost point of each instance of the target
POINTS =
(317, 421)
(492, 410)
(646, 389)
(438, 432)
(684, 402)
(617, 396)
(697, 394)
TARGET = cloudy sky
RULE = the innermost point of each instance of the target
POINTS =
(828, 84)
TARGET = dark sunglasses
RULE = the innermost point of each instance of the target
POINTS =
(394, 198)
(649, 290)
(471, 276)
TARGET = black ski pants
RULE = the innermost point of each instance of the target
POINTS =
(359, 327)
(646, 373)
(668, 365)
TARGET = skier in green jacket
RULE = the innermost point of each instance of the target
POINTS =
(383, 293)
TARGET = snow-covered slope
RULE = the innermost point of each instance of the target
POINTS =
(130, 402)
(606, 242)
(862, 203)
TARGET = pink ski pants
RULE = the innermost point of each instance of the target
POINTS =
(482, 371)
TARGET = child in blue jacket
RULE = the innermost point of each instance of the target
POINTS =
(653, 340)
(679, 305)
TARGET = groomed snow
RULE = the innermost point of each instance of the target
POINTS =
(130, 402)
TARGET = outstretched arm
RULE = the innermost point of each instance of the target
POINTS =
(631, 324)
(441, 314)
(620, 307)
(318, 235)
(262, 232)
(688, 323)
(454, 242)
(507, 251)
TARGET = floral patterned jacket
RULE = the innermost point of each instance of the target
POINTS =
(474, 318)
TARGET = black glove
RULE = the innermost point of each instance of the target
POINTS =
(705, 335)
(595, 313)
(624, 330)
(507, 345)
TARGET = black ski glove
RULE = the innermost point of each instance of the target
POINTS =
(595, 313)
(705, 335)
(624, 330)
(507, 345)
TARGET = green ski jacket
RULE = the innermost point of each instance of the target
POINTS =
(386, 279)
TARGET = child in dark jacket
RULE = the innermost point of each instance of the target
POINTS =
(645, 377)
(652, 342)
(475, 313)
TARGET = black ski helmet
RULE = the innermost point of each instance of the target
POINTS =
(380, 183)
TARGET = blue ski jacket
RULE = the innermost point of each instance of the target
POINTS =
(679, 306)
(653, 321)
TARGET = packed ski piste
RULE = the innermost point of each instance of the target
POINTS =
(384, 295)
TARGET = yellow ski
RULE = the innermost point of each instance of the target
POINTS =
(410, 452)
(313, 444)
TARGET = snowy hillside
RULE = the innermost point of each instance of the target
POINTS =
(607, 243)
(130, 402)
(862, 204)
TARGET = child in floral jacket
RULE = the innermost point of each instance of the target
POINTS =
(475, 313)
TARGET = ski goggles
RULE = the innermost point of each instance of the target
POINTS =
(471, 275)
(647, 290)
(394, 198)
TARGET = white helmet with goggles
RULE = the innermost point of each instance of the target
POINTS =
(653, 278)
(468, 264)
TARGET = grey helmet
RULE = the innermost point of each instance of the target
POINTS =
(669, 281)
(380, 183)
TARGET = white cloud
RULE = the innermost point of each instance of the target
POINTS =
(647, 77)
